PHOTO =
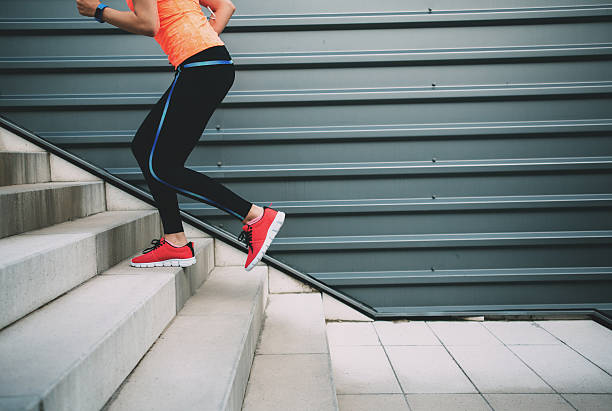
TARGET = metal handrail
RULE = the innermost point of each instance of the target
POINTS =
(215, 232)
(602, 318)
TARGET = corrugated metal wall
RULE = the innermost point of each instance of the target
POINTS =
(432, 156)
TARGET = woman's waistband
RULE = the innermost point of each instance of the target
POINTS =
(209, 56)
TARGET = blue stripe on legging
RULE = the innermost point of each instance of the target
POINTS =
(161, 122)
(207, 63)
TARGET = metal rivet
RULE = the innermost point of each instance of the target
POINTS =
(219, 163)
(433, 196)
(433, 84)
(429, 10)
(218, 127)
(433, 159)
(432, 269)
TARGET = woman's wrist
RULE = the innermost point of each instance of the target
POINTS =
(143, 21)
(99, 13)
(129, 21)
(222, 17)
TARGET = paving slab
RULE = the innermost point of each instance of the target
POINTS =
(588, 337)
(591, 402)
(462, 333)
(447, 402)
(362, 370)
(520, 332)
(405, 333)
(434, 380)
(528, 402)
(564, 369)
(292, 367)
(296, 382)
(352, 333)
(496, 369)
(369, 402)
(428, 369)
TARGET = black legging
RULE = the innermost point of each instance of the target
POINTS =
(161, 152)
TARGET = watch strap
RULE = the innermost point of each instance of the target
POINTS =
(98, 13)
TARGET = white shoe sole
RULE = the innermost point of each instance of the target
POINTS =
(175, 262)
(274, 228)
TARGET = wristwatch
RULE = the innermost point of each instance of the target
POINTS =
(98, 14)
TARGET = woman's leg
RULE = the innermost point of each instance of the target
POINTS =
(193, 98)
(164, 196)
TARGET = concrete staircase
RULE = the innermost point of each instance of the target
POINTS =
(82, 330)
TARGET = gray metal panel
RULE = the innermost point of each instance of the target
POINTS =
(433, 156)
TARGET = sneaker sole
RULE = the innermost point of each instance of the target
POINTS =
(274, 228)
(175, 262)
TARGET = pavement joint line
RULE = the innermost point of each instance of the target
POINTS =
(531, 344)
(575, 350)
(295, 353)
(348, 321)
(458, 365)
(527, 365)
(502, 393)
(392, 368)
(378, 393)
(587, 393)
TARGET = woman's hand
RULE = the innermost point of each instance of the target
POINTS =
(143, 20)
(87, 7)
(223, 10)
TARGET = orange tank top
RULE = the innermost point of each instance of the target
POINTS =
(183, 29)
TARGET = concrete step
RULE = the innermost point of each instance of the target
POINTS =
(27, 207)
(292, 367)
(202, 360)
(38, 266)
(187, 279)
(73, 353)
(24, 167)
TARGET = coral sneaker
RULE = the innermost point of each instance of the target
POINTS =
(164, 254)
(259, 235)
